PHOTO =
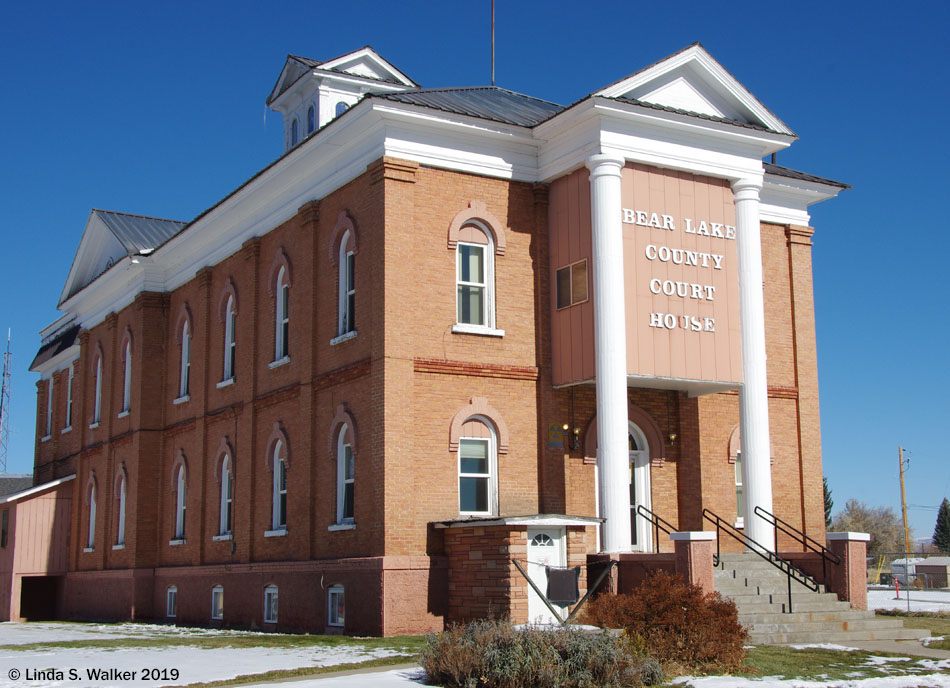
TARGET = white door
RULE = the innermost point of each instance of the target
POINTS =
(641, 533)
(545, 548)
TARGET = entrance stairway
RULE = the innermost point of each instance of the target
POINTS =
(760, 592)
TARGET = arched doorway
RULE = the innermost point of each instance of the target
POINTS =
(638, 448)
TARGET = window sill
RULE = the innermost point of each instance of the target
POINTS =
(182, 399)
(270, 621)
(45, 439)
(217, 618)
(279, 362)
(225, 383)
(123, 414)
(342, 526)
(66, 429)
(462, 328)
(222, 538)
(88, 549)
(93, 426)
(174, 542)
(115, 547)
(346, 336)
(277, 532)
(740, 523)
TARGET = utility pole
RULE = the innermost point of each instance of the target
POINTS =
(5, 405)
(900, 460)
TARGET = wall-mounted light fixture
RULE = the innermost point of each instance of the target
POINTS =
(573, 435)
(672, 438)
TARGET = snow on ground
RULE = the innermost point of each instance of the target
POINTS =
(929, 680)
(824, 646)
(23, 633)
(193, 664)
(920, 600)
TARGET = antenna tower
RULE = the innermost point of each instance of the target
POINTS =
(5, 405)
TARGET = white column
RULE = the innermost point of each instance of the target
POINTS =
(753, 396)
(610, 350)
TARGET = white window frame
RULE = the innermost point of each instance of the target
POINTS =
(184, 374)
(294, 132)
(230, 340)
(347, 289)
(226, 512)
(217, 603)
(120, 526)
(491, 476)
(279, 490)
(49, 408)
(91, 531)
(342, 480)
(69, 400)
(127, 380)
(488, 285)
(97, 402)
(282, 318)
(270, 604)
(181, 495)
(740, 492)
(311, 119)
(171, 601)
(333, 619)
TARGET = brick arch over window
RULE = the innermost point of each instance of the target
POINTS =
(642, 420)
(184, 316)
(735, 445)
(477, 212)
(180, 462)
(127, 339)
(121, 473)
(91, 484)
(229, 290)
(224, 448)
(344, 224)
(97, 355)
(340, 418)
(281, 260)
(277, 434)
(478, 406)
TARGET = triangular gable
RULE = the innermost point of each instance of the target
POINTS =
(693, 81)
(109, 237)
(369, 64)
(294, 68)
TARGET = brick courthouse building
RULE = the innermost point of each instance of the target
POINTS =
(350, 393)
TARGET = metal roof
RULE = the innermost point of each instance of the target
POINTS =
(780, 171)
(15, 482)
(678, 111)
(138, 233)
(55, 346)
(485, 102)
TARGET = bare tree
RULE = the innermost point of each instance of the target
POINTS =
(883, 524)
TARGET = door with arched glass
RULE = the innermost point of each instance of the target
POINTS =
(639, 452)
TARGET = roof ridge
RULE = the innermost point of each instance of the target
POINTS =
(470, 88)
(144, 217)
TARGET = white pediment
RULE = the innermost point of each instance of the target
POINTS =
(692, 80)
(367, 63)
(98, 250)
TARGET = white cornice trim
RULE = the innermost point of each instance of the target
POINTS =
(30, 491)
(60, 361)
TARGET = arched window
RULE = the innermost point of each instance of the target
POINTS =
(97, 401)
(294, 136)
(227, 496)
(120, 515)
(282, 317)
(345, 477)
(180, 504)
(341, 108)
(127, 378)
(478, 468)
(91, 532)
(184, 375)
(311, 122)
(347, 284)
(475, 276)
(69, 399)
(279, 510)
(270, 604)
(230, 339)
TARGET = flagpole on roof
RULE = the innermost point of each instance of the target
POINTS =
(492, 42)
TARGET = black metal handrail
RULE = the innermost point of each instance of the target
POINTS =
(790, 571)
(807, 542)
(658, 524)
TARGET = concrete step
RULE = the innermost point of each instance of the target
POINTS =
(824, 626)
(745, 586)
(843, 637)
(750, 619)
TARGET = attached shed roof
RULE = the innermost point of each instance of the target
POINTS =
(55, 346)
(14, 482)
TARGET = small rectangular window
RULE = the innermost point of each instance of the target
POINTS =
(217, 602)
(474, 476)
(270, 604)
(171, 601)
(336, 606)
(740, 500)
(571, 284)
(4, 527)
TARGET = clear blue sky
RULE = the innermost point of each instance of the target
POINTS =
(158, 108)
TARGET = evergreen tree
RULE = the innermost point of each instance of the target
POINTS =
(829, 502)
(942, 529)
